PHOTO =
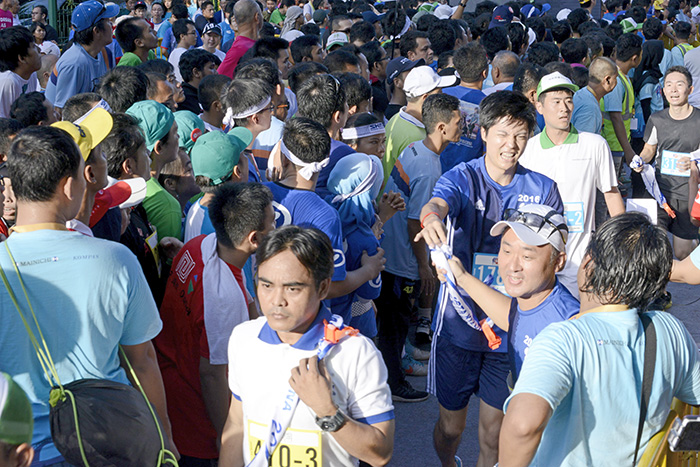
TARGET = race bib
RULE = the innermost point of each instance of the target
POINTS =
(486, 264)
(299, 448)
(574, 216)
(152, 242)
(669, 163)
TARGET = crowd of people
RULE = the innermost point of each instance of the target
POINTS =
(280, 212)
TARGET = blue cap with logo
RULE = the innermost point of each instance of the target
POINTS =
(88, 13)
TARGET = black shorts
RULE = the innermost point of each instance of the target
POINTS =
(681, 226)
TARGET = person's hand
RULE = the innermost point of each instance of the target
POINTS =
(683, 164)
(170, 247)
(427, 281)
(637, 164)
(374, 262)
(389, 204)
(457, 268)
(378, 228)
(309, 380)
(434, 232)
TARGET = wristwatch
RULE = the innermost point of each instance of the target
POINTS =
(332, 423)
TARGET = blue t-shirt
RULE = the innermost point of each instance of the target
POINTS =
(338, 151)
(587, 115)
(228, 34)
(75, 72)
(89, 296)
(470, 146)
(304, 208)
(476, 203)
(525, 325)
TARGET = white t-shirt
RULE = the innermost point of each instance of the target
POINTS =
(259, 369)
(579, 166)
(11, 86)
(174, 60)
(221, 55)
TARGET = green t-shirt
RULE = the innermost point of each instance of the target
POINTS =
(163, 210)
(276, 17)
(402, 130)
(131, 59)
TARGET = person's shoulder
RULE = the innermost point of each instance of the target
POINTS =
(246, 330)
(565, 304)
(591, 139)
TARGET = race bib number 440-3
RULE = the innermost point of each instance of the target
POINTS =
(299, 448)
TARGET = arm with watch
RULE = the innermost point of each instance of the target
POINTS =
(459, 11)
(373, 443)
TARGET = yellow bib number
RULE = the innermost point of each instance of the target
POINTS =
(299, 448)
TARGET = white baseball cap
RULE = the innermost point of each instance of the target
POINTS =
(563, 14)
(555, 81)
(337, 38)
(423, 79)
(536, 225)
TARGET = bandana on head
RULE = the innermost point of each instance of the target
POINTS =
(363, 131)
(351, 182)
(230, 117)
(308, 169)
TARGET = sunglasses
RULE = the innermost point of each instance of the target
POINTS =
(537, 222)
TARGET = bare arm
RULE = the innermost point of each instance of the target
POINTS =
(425, 270)
(143, 360)
(521, 432)
(231, 454)
(613, 200)
(685, 271)
(215, 393)
(431, 216)
(648, 152)
(371, 267)
(621, 133)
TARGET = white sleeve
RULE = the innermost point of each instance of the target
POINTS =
(606, 177)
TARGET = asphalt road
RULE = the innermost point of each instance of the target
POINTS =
(413, 445)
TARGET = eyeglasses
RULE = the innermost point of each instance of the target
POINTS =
(537, 222)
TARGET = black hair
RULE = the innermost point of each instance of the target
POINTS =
(157, 65)
(614, 30)
(394, 21)
(127, 32)
(242, 94)
(638, 14)
(682, 70)
(442, 37)
(409, 41)
(630, 261)
(577, 18)
(627, 46)
(319, 97)
(302, 47)
(44, 10)
(470, 61)
(485, 7)
(310, 29)
(542, 53)
(205, 4)
(682, 30)
(357, 89)
(238, 209)
(303, 71)
(362, 31)
(494, 40)
(28, 109)
(179, 11)
(153, 79)
(373, 53)
(338, 60)
(438, 108)
(560, 67)
(588, 27)
(269, 47)
(123, 86)
(180, 28)
(268, 30)
(527, 77)
(195, 59)
(594, 44)
(537, 25)
(79, 105)
(260, 68)
(210, 89)
(579, 76)
(561, 31)
(425, 22)
(307, 139)
(509, 105)
(336, 19)
(15, 42)
(652, 28)
(518, 37)
(35, 25)
(310, 246)
(444, 59)
(608, 44)
(122, 142)
(39, 158)
(574, 50)
(86, 36)
(9, 127)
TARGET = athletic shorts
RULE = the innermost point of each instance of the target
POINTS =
(460, 373)
(681, 226)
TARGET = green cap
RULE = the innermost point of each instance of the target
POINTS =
(629, 25)
(189, 128)
(554, 81)
(215, 154)
(16, 417)
(155, 120)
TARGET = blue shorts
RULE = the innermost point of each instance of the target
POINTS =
(460, 373)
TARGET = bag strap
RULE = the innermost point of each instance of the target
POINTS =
(647, 376)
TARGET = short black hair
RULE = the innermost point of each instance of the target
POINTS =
(210, 89)
(588, 27)
(425, 22)
(577, 17)
(28, 109)
(310, 29)
(470, 61)
(122, 142)
(542, 53)
(594, 43)
(682, 70)
(39, 158)
(652, 28)
(579, 75)
(310, 246)
(179, 11)
(638, 14)
(442, 37)
(630, 261)
(518, 37)
(537, 25)
(9, 127)
(362, 31)
(337, 60)
(527, 77)
(15, 42)
(627, 46)
(241, 94)
(44, 10)
(180, 28)
(79, 105)
(87, 36)
(357, 89)
(485, 7)
(123, 86)
(561, 31)
(157, 65)
(373, 53)
(307, 139)
(438, 108)
(195, 59)
(237, 210)
(319, 97)
(302, 47)
(494, 40)
(614, 31)
(260, 68)
(268, 47)
(682, 29)
(303, 71)
(444, 59)
(127, 31)
(574, 50)
(561, 67)
(409, 41)
(153, 79)
(513, 106)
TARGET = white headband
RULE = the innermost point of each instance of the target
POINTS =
(363, 131)
(230, 117)
(308, 169)
(100, 105)
(364, 186)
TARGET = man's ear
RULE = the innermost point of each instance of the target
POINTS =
(89, 174)
(23, 455)
(495, 72)
(560, 262)
(196, 73)
(169, 183)
(485, 73)
(128, 166)
(336, 116)
(323, 288)
(352, 110)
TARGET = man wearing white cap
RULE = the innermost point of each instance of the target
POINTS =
(407, 126)
(580, 163)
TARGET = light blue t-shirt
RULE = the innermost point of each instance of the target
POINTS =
(587, 115)
(593, 367)
(89, 295)
(75, 72)
(613, 100)
(414, 176)
(695, 257)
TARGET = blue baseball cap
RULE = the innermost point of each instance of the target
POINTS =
(88, 13)
(502, 16)
(371, 17)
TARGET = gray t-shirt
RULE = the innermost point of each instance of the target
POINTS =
(674, 139)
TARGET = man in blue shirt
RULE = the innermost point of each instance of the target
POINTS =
(590, 369)
(471, 198)
(602, 79)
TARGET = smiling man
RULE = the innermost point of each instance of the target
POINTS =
(579, 162)
(471, 198)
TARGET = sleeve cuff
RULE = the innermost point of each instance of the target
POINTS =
(236, 396)
(373, 419)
